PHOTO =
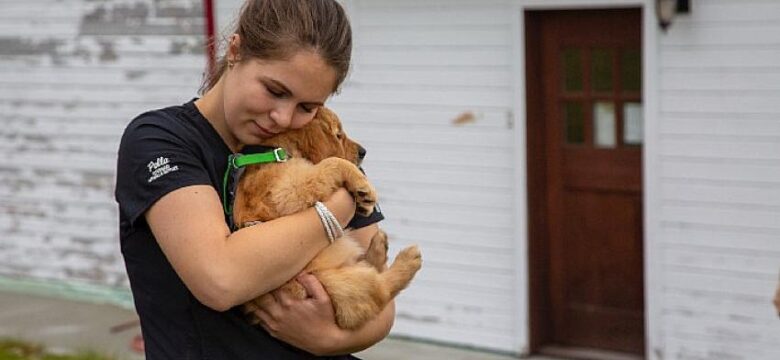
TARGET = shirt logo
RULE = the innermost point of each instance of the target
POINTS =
(158, 168)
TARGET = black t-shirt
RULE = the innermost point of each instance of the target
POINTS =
(161, 151)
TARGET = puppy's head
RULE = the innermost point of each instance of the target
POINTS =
(321, 138)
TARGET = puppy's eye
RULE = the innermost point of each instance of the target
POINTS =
(340, 135)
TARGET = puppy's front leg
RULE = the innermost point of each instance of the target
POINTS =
(304, 184)
(353, 180)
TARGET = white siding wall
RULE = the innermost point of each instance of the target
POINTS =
(719, 178)
(73, 73)
(418, 66)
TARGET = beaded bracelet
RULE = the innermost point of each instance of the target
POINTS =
(332, 227)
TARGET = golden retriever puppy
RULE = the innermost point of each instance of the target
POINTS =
(323, 159)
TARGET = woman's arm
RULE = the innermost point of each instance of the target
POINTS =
(310, 323)
(223, 269)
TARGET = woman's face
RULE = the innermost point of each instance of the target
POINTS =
(266, 97)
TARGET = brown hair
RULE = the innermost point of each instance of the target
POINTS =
(276, 29)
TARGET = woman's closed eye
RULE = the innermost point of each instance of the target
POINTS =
(308, 108)
(279, 94)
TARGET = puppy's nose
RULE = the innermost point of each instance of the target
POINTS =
(361, 152)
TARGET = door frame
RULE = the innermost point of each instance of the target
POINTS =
(527, 277)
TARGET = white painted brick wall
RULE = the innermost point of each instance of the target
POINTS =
(73, 73)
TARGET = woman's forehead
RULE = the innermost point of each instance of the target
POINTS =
(305, 74)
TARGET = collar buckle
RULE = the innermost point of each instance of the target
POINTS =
(280, 155)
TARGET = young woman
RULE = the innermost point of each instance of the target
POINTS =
(188, 272)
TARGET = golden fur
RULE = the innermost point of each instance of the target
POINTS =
(324, 159)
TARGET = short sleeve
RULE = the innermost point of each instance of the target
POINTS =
(156, 156)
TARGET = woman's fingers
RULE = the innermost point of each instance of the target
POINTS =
(313, 287)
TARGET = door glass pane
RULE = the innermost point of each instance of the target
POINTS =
(572, 70)
(604, 124)
(574, 123)
(631, 70)
(633, 123)
(601, 69)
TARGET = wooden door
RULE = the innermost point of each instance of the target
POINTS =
(585, 178)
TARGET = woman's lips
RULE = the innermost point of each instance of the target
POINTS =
(263, 131)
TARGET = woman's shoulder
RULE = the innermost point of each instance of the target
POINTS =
(171, 118)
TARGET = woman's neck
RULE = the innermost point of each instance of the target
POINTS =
(211, 106)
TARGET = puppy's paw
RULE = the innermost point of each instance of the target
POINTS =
(365, 196)
(410, 259)
(249, 309)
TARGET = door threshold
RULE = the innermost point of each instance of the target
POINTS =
(586, 353)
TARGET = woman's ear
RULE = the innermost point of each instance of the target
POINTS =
(234, 47)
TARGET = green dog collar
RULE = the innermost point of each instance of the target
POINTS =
(238, 161)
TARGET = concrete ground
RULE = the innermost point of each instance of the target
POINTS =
(66, 326)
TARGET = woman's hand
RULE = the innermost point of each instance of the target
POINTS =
(308, 324)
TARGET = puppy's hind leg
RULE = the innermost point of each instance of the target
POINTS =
(403, 269)
(376, 255)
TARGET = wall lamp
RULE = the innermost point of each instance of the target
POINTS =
(667, 9)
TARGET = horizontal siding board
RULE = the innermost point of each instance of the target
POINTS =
(63, 162)
(749, 172)
(725, 149)
(95, 95)
(449, 16)
(734, 332)
(747, 264)
(736, 79)
(445, 139)
(721, 194)
(402, 95)
(673, 101)
(82, 112)
(481, 57)
(728, 240)
(728, 217)
(452, 157)
(737, 58)
(738, 11)
(413, 5)
(702, 281)
(495, 281)
(446, 316)
(69, 227)
(415, 119)
(697, 348)
(457, 297)
(414, 75)
(473, 261)
(727, 125)
(465, 335)
(756, 310)
(475, 239)
(438, 195)
(484, 178)
(724, 34)
(497, 35)
(448, 215)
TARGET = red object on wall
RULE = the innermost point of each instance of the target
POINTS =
(208, 13)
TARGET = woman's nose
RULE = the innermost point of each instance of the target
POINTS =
(282, 116)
